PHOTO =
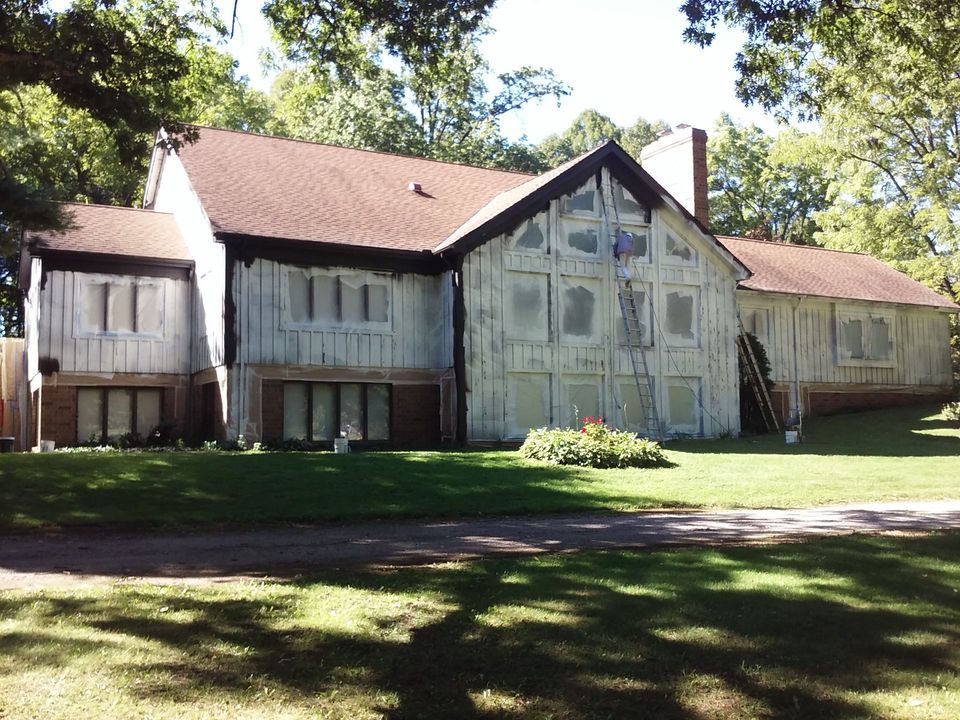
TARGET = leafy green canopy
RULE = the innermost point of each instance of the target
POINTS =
(763, 187)
(590, 128)
(442, 109)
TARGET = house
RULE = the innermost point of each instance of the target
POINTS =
(279, 289)
(842, 330)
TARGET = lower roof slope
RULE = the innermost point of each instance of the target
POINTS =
(819, 272)
(112, 230)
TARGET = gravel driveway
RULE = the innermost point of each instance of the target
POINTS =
(65, 559)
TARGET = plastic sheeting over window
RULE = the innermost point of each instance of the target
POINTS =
(579, 237)
(351, 411)
(114, 412)
(89, 414)
(677, 251)
(121, 305)
(629, 206)
(351, 299)
(531, 235)
(580, 320)
(756, 321)
(295, 411)
(324, 411)
(527, 316)
(632, 411)
(683, 408)
(582, 201)
(865, 338)
(680, 316)
(529, 402)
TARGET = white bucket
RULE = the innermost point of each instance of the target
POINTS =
(341, 446)
(792, 437)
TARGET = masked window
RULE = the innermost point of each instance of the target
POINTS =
(527, 297)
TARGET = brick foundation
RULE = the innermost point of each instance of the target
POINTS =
(58, 414)
(819, 400)
(416, 415)
(833, 403)
(271, 410)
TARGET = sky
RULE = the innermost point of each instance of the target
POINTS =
(624, 58)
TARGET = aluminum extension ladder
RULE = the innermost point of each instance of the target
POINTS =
(632, 325)
(749, 362)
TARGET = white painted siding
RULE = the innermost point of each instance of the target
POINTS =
(419, 334)
(61, 337)
(500, 365)
(175, 195)
(921, 342)
(31, 318)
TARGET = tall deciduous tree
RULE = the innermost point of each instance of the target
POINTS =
(440, 109)
(763, 187)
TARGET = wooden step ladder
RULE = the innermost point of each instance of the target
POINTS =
(630, 311)
(748, 361)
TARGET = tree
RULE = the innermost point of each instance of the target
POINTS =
(51, 150)
(442, 110)
(763, 187)
(590, 128)
(332, 34)
(883, 78)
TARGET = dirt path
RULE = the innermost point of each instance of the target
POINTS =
(68, 559)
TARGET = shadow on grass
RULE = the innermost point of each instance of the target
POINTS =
(144, 489)
(787, 631)
(895, 432)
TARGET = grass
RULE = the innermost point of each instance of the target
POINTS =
(862, 627)
(907, 453)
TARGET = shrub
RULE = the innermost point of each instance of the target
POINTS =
(594, 445)
(951, 411)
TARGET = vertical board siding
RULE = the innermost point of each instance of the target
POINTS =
(418, 337)
(921, 343)
(491, 358)
(59, 338)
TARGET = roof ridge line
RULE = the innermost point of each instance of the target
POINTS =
(797, 245)
(364, 150)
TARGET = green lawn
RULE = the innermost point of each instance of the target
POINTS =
(862, 627)
(884, 455)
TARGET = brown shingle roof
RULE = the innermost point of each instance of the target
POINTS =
(803, 270)
(274, 187)
(508, 198)
(112, 230)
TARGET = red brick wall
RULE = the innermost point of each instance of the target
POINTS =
(831, 403)
(271, 410)
(416, 415)
(58, 414)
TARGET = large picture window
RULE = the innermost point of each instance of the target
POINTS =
(350, 299)
(322, 411)
(108, 413)
(115, 305)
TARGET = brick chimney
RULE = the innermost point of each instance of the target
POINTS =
(678, 161)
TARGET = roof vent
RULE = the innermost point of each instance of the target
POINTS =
(415, 187)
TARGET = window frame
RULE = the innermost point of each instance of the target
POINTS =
(337, 406)
(313, 323)
(111, 281)
(104, 391)
(865, 316)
